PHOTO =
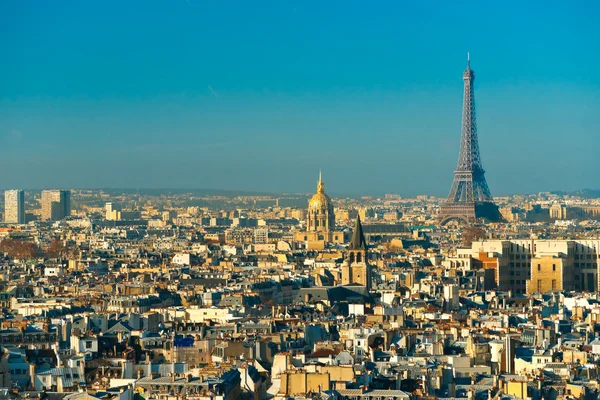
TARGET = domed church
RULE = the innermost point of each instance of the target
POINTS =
(320, 221)
(321, 217)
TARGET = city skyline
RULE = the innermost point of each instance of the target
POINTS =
(270, 112)
(263, 201)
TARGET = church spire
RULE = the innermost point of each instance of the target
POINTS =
(358, 241)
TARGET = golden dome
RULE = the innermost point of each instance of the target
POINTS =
(320, 200)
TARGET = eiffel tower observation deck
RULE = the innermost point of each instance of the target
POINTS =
(469, 199)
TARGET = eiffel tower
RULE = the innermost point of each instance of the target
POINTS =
(469, 197)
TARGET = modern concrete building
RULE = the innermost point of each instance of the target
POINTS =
(524, 266)
(14, 206)
(113, 213)
(56, 204)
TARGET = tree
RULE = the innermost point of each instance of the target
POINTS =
(15, 248)
(472, 234)
(56, 249)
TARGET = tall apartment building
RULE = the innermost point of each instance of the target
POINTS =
(530, 266)
(113, 212)
(56, 204)
(14, 206)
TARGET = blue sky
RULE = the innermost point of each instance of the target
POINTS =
(261, 95)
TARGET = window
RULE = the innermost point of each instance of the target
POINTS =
(539, 267)
(539, 286)
(88, 345)
(553, 284)
(553, 267)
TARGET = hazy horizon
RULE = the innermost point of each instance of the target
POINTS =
(233, 191)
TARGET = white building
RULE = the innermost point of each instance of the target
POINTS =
(182, 259)
(14, 206)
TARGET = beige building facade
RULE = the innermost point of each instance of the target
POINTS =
(571, 264)
(320, 221)
(56, 204)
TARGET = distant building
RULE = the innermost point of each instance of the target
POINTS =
(364, 213)
(510, 214)
(14, 206)
(320, 220)
(558, 211)
(56, 204)
(113, 213)
(393, 215)
(261, 236)
(321, 217)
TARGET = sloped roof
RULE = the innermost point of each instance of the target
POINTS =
(120, 327)
(358, 241)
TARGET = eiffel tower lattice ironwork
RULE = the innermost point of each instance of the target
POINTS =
(469, 197)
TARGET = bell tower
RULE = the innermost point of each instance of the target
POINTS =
(356, 269)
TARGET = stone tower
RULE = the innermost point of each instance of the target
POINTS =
(356, 268)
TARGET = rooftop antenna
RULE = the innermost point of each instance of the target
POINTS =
(468, 59)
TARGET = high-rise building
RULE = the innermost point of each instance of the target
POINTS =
(113, 213)
(56, 204)
(14, 206)
(469, 197)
